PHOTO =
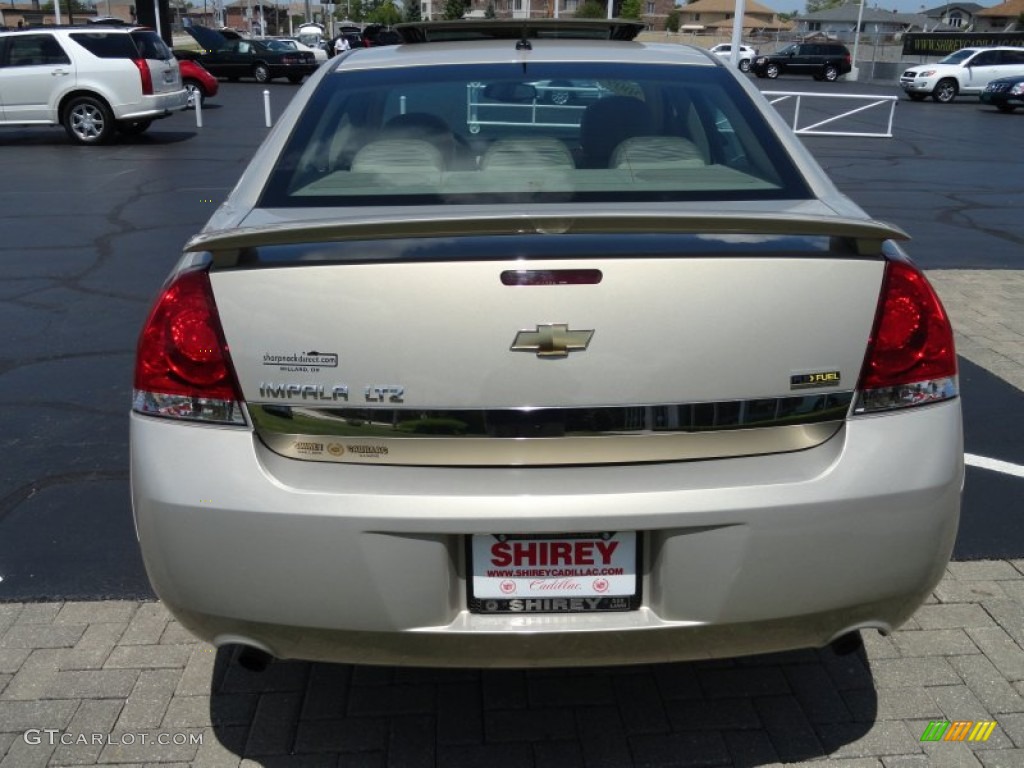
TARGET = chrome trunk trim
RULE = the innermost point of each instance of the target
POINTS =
(550, 436)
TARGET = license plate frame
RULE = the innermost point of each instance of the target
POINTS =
(487, 594)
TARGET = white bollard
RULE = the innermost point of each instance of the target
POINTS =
(199, 111)
(266, 106)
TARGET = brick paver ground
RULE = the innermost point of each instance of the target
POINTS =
(120, 683)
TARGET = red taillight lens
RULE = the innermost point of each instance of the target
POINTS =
(911, 354)
(145, 75)
(182, 367)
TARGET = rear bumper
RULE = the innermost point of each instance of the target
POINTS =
(153, 107)
(368, 564)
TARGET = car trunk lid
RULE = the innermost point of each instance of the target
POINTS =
(540, 348)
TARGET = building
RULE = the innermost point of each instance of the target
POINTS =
(840, 23)
(716, 17)
(953, 16)
(1001, 18)
(654, 13)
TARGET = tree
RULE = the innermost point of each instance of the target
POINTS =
(672, 21)
(490, 13)
(67, 5)
(454, 9)
(385, 13)
(591, 9)
(631, 9)
(822, 5)
(412, 11)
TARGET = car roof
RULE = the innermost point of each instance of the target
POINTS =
(501, 51)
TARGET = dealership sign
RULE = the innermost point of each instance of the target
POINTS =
(941, 43)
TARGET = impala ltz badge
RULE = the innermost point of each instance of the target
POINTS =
(552, 340)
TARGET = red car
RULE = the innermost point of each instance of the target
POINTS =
(199, 83)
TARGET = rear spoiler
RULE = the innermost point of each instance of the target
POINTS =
(868, 234)
(518, 29)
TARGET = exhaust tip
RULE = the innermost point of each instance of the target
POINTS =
(846, 644)
(254, 659)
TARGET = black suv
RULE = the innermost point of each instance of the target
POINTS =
(824, 61)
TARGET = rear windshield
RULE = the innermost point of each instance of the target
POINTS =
(151, 45)
(543, 132)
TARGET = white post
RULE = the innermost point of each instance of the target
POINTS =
(156, 15)
(557, 3)
(610, 4)
(199, 111)
(56, 10)
(737, 33)
(855, 69)
(266, 107)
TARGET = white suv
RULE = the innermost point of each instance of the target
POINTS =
(91, 80)
(968, 70)
(747, 54)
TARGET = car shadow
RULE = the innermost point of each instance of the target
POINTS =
(58, 138)
(783, 707)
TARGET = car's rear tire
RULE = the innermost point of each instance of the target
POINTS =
(195, 93)
(132, 127)
(294, 79)
(917, 96)
(1006, 107)
(771, 71)
(88, 120)
(945, 91)
(262, 73)
(744, 65)
(830, 73)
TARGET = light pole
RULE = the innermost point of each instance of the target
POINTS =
(855, 70)
(737, 33)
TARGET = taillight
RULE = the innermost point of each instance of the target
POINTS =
(145, 75)
(182, 366)
(911, 357)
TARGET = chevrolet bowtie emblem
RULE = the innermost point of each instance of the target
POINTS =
(555, 340)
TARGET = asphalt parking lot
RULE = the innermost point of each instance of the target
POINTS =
(89, 235)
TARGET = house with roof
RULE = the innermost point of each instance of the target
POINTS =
(953, 16)
(716, 17)
(1005, 17)
(840, 23)
(654, 13)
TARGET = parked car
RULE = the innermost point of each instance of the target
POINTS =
(747, 54)
(199, 83)
(291, 44)
(379, 34)
(966, 71)
(92, 80)
(435, 387)
(237, 58)
(823, 61)
(1005, 93)
(563, 92)
(353, 35)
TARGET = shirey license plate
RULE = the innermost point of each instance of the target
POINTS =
(541, 573)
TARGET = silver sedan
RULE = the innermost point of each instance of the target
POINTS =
(456, 377)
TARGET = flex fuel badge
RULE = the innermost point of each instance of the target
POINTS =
(814, 379)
